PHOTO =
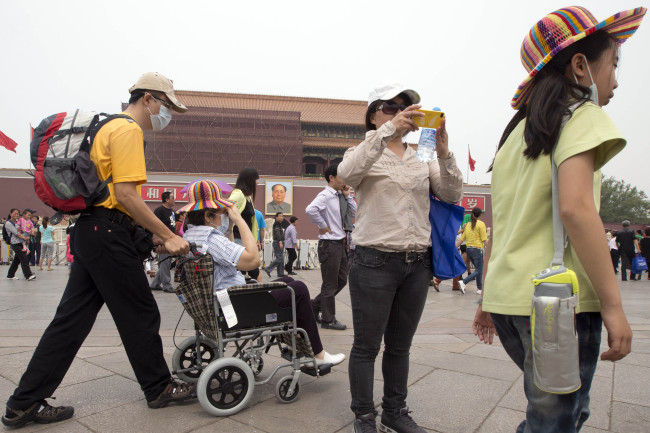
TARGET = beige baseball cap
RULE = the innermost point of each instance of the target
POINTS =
(157, 81)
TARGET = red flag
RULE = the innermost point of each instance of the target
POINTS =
(31, 131)
(7, 142)
(471, 161)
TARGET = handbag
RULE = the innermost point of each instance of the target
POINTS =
(445, 219)
(639, 264)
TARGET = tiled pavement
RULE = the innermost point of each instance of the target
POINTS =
(456, 383)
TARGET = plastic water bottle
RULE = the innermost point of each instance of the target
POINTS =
(427, 143)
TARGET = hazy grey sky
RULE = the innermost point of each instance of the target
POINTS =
(462, 56)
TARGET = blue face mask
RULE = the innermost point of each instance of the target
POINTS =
(593, 88)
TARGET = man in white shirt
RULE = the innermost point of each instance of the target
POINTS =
(333, 222)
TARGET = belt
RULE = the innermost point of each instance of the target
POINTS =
(406, 256)
(113, 215)
(409, 256)
(340, 241)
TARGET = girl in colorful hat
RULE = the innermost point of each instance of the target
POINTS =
(572, 60)
(204, 212)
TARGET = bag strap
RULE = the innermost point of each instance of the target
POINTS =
(93, 129)
(560, 238)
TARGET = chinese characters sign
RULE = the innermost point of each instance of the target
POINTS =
(469, 202)
(154, 192)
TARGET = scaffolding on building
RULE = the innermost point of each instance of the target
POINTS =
(226, 140)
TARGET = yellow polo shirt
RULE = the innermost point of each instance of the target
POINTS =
(522, 237)
(118, 150)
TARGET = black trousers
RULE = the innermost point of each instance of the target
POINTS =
(19, 258)
(387, 296)
(304, 313)
(333, 259)
(626, 263)
(106, 269)
(34, 253)
(616, 256)
(292, 257)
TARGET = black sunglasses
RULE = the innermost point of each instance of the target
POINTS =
(389, 108)
(163, 102)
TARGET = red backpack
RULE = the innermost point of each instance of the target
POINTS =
(66, 178)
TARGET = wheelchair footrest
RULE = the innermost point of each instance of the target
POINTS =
(286, 354)
(322, 370)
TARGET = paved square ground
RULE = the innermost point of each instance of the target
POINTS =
(457, 384)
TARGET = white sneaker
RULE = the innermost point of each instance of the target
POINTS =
(31, 277)
(479, 291)
(331, 359)
(13, 278)
(462, 286)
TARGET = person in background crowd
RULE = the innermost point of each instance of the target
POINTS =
(261, 225)
(645, 249)
(475, 236)
(332, 211)
(390, 277)
(47, 244)
(626, 243)
(291, 244)
(35, 242)
(244, 197)
(69, 257)
(165, 213)
(108, 270)
(571, 60)
(18, 239)
(26, 226)
(179, 228)
(278, 247)
(613, 251)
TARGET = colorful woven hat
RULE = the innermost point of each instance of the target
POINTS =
(561, 28)
(205, 194)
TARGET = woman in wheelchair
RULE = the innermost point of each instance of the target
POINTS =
(204, 212)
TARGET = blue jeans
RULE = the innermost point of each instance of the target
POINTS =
(476, 257)
(546, 412)
(388, 296)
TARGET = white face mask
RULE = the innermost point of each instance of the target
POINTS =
(161, 120)
(593, 87)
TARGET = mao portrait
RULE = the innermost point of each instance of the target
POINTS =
(279, 196)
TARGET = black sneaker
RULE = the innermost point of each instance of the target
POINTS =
(334, 324)
(173, 392)
(40, 412)
(267, 272)
(365, 423)
(401, 423)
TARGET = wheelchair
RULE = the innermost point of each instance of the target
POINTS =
(225, 383)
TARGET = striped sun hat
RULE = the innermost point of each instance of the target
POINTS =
(204, 194)
(561, 28)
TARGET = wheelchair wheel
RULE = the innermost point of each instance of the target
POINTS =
(282, 388)
(225, 386)
(256, 369)
(185, 357)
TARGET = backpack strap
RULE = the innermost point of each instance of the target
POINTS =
(93, 129)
